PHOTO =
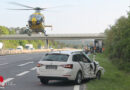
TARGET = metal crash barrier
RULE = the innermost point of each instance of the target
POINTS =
(10, 52)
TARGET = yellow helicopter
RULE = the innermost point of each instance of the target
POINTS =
(36, 22)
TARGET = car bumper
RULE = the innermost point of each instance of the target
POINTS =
(66, 74)
(53, 78)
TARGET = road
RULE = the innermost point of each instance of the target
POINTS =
(19, 72)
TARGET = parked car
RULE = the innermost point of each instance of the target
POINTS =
(11, 49)
(29, 46)
(19, 48)
(1, 45)
(67, 65)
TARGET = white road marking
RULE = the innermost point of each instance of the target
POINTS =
(3, 64)
(34, 68)
(76, 87)
(25, 64)
(23, 73)
(7, 80)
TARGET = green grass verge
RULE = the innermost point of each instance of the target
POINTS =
(113, 79)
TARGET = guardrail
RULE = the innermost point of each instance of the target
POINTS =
(10, 52)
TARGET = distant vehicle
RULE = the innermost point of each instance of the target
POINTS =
(11, 49)
(1, 45)
(40, 33)
(19, 48)
(29, 47)
(67, 65)
(98, 46)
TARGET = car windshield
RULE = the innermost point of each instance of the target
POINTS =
(56, 57)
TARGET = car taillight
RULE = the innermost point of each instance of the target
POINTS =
(39, 65)
(68, 66)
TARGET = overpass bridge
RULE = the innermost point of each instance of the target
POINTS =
(97, 36)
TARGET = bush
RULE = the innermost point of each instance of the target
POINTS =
(117, 43)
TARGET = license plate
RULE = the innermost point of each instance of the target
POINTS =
(51, 67)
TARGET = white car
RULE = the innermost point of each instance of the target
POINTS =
(67, 65)
(19, 48)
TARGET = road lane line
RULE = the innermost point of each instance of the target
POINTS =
(23, 73)
(7, 80)
(76, 87)
(33, 68)
(25, 64)
(3, 64)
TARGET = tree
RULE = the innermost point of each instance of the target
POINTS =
(12, 32)
(117, 43)
(4, 30)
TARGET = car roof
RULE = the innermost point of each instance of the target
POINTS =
(65, 52)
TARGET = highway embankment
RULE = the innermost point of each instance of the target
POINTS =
(113, 78)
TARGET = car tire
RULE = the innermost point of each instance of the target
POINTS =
(78, 79)
(98, 75)
(44, 81)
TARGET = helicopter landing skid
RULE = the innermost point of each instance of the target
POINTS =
(29, 32)
(45, 33)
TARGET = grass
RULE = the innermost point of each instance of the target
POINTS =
(113, 78)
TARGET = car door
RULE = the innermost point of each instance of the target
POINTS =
(85, 66)
(92, 66)
(86, 63)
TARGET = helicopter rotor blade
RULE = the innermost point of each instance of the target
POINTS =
(20, 9)
(56, 6)
(15, 3)
(43, 8)
(38, 8)
(33, 8)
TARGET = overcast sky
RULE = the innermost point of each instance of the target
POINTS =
(75, 16)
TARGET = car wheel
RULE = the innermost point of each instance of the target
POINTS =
(98, 75)
(44, 81)
(78, 79)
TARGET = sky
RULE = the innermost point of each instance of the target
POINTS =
(72, 16)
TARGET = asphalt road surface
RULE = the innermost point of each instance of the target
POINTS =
(19, 72)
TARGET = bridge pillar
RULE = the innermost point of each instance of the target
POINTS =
(46, 44)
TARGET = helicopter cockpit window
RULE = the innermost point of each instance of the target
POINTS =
(39, 18)
(32, 17)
